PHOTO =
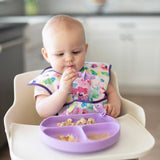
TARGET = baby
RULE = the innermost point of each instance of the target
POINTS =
(71, 85)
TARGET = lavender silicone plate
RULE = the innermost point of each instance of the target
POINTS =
(49, 133)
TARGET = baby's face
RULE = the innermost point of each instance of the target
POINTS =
(66, 49)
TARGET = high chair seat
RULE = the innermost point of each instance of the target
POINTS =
(22, 129)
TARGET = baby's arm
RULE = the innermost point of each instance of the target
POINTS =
(113, 105)
(50, 105)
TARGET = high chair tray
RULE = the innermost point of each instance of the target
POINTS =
(80, 133)
(134, 141)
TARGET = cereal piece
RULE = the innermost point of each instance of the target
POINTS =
(63, 124)
(72, 139)
(60, 137)
(91, 121)
(69, 120)
(58, 124)
(83, 121)
(69, 138)
(79, 123)
(67, 124)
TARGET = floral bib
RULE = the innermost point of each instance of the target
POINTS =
(86, 92)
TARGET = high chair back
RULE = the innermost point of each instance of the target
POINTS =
(23, 109)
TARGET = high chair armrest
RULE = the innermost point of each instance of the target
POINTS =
(133, 109)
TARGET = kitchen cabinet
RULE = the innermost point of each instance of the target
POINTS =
(33, 41)
(146, 48)
(131, 45)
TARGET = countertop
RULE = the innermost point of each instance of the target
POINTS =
(44, 18)
(24, 19)
(10, 22)
(4, 26)
(116, 14)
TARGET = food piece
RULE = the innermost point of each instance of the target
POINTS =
(61, 124)
(69, 138)
(93, 136)
(91, 121)
(82, 121)
(69, 120)
(58, 124)
(79, 123)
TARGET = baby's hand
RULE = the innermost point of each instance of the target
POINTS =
(111, 110)
(69, 75)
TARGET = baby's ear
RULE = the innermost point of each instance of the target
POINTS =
(45, 54)
(86, 47)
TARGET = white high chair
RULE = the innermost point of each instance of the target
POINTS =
(22, 129)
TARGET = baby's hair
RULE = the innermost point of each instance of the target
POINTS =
(64, 22)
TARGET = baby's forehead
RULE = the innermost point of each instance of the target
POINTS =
(66, 23)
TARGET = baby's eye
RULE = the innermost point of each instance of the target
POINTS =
(60, 54)
(76, 52)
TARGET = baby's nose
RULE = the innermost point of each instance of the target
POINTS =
(69, 57)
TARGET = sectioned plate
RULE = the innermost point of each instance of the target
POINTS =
(49, 133)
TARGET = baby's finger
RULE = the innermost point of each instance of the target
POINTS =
(68, 71)
(74, 77)
(109, 109)
(113, 112)
(70, 76)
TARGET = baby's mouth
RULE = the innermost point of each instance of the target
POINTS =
(70, 66)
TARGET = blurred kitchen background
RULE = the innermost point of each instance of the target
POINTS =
(124, 33)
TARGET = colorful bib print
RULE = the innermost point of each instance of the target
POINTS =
(85, 92)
